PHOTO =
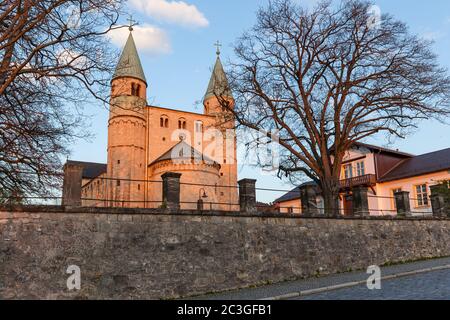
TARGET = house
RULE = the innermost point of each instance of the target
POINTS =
(384, 172)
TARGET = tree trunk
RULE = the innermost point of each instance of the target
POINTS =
(330, 191)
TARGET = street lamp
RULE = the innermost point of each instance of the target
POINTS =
(200, 200)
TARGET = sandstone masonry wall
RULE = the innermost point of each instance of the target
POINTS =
(136, 254)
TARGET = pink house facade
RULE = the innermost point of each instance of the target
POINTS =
(384, 173)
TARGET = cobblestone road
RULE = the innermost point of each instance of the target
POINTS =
(431, 285)
(427, 286)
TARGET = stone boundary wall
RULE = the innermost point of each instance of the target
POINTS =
(150, 254)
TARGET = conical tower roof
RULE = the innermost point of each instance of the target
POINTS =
(218, 85)
(129, 63)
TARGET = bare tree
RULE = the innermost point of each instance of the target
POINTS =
(329, 77)
(54, 57)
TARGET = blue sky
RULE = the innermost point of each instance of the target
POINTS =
(175, 40)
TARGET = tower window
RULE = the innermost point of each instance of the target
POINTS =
(139, 187)
(135, 89)
(118, 183)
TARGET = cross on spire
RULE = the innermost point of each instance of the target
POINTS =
(131, 23)
(218, 45)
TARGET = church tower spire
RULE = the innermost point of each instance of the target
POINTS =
(129, 63)
(218, 94)
(127, 130)
(218, 84)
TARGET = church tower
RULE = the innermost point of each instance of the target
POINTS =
(127, 130)
(217, 102)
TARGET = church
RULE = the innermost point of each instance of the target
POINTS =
(146, 142)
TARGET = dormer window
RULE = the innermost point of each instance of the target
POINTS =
(360, 168)
(348, 171)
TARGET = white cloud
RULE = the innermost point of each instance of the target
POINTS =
(148, 38)
(177, 12)
(432, 35)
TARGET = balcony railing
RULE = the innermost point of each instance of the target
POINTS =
(367, 180)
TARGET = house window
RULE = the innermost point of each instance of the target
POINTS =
(348, 170)
(360, 168)
(422, 195)
(290, 210)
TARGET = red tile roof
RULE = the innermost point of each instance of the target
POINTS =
(419, 165)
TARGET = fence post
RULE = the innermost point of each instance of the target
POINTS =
(73, 176)
(171, 190)
(200, 205)
(439, 201)
(247, 195)
(402, 203)
(308, 200)
(361, 201)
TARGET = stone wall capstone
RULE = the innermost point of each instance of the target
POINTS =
(138, 254)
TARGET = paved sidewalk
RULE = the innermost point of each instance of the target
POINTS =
(285, 288)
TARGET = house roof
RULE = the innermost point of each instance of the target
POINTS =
(218, 84)
(91, 170)
(419, 165)
(294, 194)
(178, 153)
(382, 149)
(129, 63)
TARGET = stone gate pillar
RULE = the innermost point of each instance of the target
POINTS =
(247, 195)
(171, 190)
(440, 201)
(73, 176)
(361, 201)
(308, 196)
(402, 203)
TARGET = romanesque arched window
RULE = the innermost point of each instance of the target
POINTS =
(164, 121)
(182, 123)
(135, 89)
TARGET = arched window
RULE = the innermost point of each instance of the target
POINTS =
(164, 121)
(182, 123)
(135, 89)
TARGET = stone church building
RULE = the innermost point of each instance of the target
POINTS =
(146, 142)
